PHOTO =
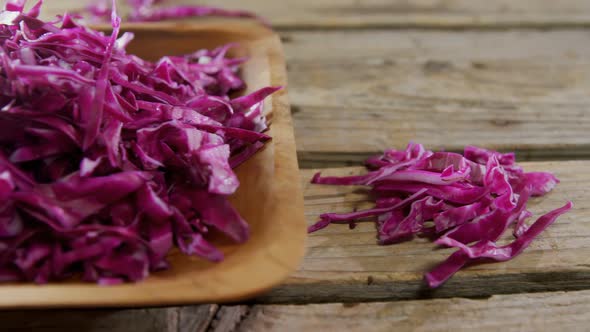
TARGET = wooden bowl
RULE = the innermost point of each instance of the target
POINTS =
(269, 197)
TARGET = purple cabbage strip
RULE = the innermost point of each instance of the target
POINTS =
(420, 211)
(328, 218)
(490, 250)
(108, 161)
(472, 200)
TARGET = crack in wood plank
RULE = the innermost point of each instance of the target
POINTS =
(531, 312)
(423, 86)
(318, 160)
(229, 318)
(196, 318)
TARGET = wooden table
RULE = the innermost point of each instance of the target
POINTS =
(367, 75)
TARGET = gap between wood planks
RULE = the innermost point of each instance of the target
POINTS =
(312, 160)
(531, 312)
(356, 93)
(535, 312)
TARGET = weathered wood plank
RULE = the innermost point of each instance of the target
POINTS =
(174, 319)
(229, 318)
(395, 13)
(347, 265)
(194, 318)
(355, 93)
(560, 311)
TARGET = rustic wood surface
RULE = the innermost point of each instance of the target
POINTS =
(559, 311)
(338, 14)
(355, 93)
(365, 75)
(566, 311)
(173, 319)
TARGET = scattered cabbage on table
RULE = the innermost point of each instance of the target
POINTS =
(463, 201)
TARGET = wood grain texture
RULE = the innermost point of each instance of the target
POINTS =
(355, 93)
(229, 318)
(173, 319)
(393, 13)
(348, 266)
(560, 311)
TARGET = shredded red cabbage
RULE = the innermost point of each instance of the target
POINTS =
(464, 201)
(106, 160)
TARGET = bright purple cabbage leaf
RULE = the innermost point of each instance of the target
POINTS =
(464, 201)
(108, 161)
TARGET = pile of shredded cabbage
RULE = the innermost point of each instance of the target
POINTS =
(463, 201)
(106, 160)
